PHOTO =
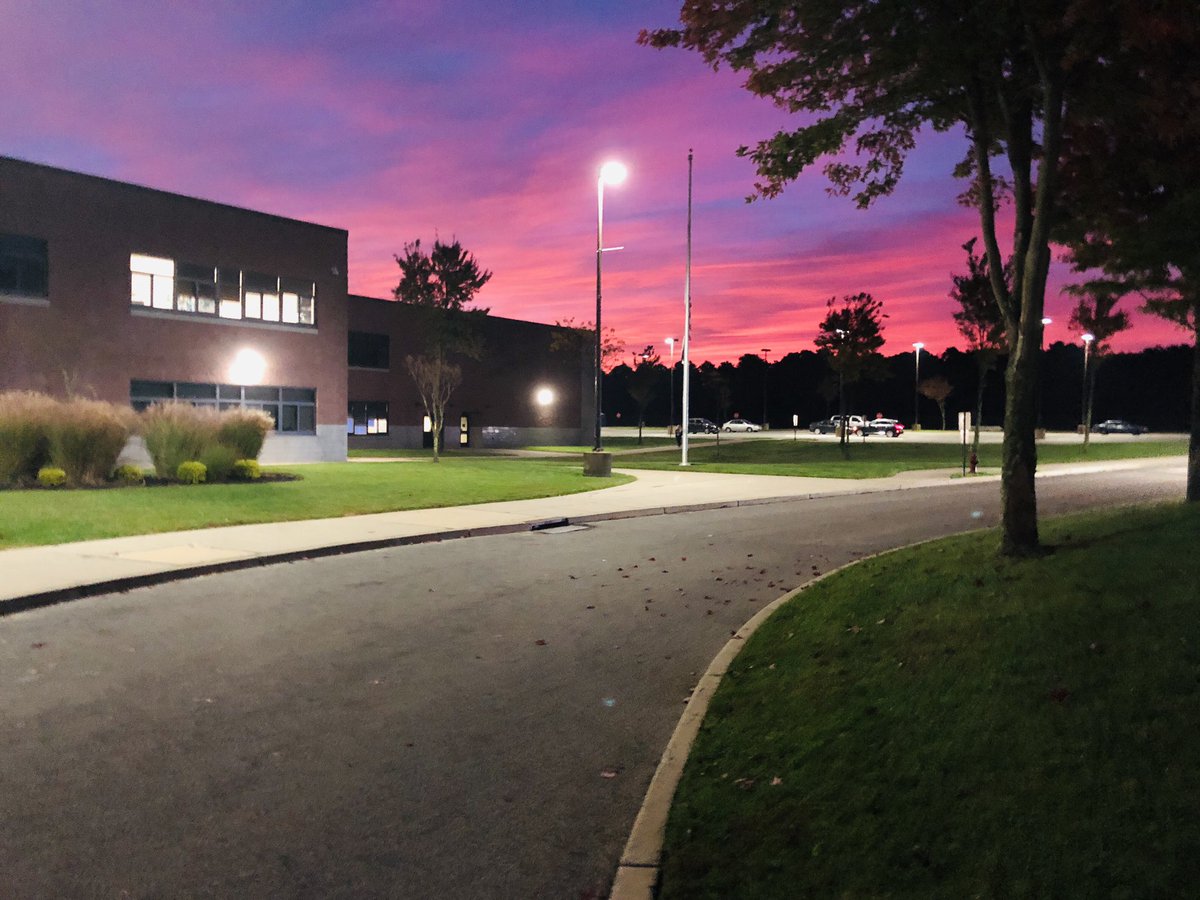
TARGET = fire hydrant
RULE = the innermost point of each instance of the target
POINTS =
(974, 462)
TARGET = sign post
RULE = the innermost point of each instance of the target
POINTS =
(795, 424)
(964, 431)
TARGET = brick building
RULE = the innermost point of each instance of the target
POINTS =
(133, 295)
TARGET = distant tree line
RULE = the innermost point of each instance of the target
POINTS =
(1149, 387)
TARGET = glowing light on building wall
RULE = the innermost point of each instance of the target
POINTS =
(544, 396)
(248, 367)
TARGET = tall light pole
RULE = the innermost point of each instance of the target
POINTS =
(1087, 337)
(917, 386)
(766, 374)
(671, 343)
(1046, 320)
(610, 173)
(687, 323)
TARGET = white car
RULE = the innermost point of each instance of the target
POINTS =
(740, 425)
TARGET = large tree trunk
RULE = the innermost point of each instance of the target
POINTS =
(1018, 497)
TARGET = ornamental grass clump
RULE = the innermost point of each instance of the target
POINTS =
(219, 459)
(25, 419)
(176, 433)
(244, 430)
(87, 436)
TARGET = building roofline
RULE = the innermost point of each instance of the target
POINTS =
(351, 297)
(141, 187)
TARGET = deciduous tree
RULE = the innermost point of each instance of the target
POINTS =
(867, 77)
(1133, 172)
(850, 335)
(938, 389)
(979, 321)
(441, 285)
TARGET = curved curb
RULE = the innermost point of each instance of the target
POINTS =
(641, 860)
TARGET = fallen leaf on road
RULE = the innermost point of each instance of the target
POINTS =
(540, 642)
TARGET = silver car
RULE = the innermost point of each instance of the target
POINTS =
(740, 425)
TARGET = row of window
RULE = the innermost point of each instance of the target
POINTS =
(227, 293)
(293, 410)
(24, 266)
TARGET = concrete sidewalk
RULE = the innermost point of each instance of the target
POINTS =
(39, 576)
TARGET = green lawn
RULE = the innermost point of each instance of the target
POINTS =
(875, 457)
(943, 723)
(325, 490)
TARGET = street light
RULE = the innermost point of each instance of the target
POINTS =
(1087, 337)
(671, 343)
(917, 386)
(613, 173)
(766, 374)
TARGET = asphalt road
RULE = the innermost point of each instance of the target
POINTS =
(478, 718)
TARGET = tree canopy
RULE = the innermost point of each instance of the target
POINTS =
(864, 78)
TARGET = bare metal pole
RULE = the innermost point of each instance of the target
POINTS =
(687, 321)
(598, 444)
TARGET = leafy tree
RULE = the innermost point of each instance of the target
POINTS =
(441, 285)
(868, 76)
(937, 389)
(979, 321)
(643, 382)
(1096, 314)
(1134, 173)
(582, 336)
(850, 335)
(716, 382)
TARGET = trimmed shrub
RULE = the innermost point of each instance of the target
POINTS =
(218, 460)
(87, 436)
(191, 472)
(129, 475)
(247, 470)
(176, 433)
(51, 477)
(25, 419)
(244, 430)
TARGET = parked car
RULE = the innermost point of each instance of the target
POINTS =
(740, 425)
(828, 426)
(702, 426)
(1119, 426)
(890, 427)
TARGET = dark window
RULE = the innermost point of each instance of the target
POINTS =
(368, 351)
(367, 417)
(291, 409)
(24, 268)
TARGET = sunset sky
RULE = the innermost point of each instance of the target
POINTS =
(487, 121)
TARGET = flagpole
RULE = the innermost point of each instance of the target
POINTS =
(687, 322)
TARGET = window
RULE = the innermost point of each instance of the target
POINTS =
(228, 293)
(152, 281)
(195, 288)
(367, 417)
(292, 409)
(368, 351)
(24, 267)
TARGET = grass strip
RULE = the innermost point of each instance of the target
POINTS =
(875, 457)
(325, 490)
(940, 722)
